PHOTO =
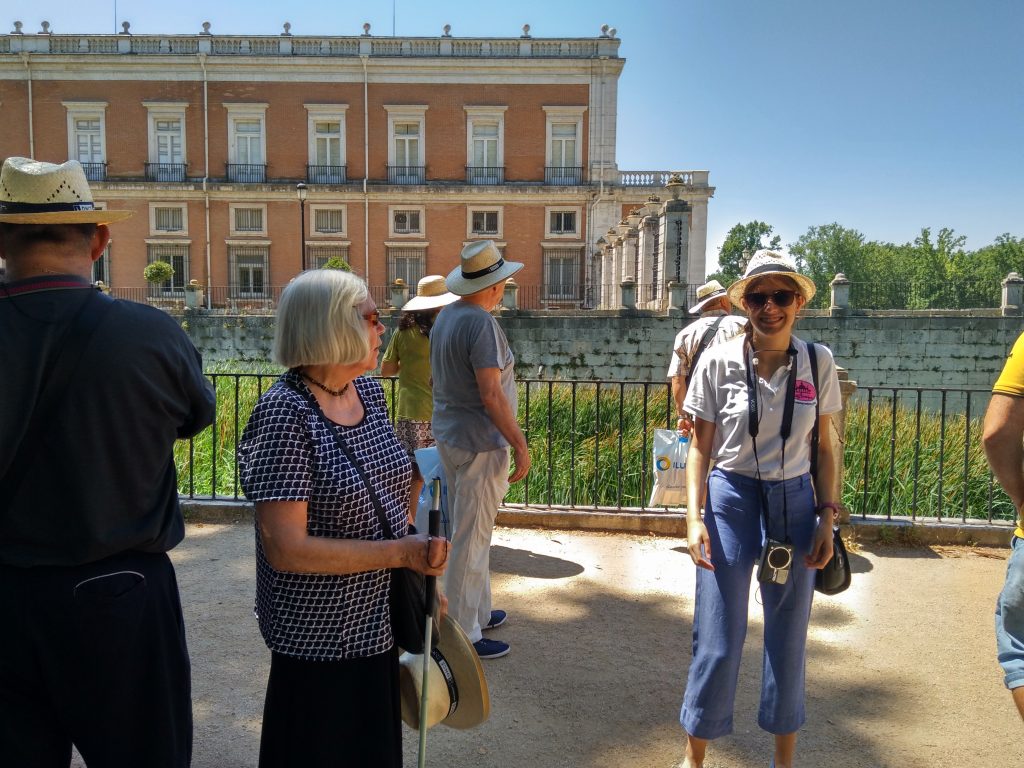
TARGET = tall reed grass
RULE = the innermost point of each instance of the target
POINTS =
(590, 445)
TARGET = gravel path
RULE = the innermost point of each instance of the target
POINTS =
(901, 668)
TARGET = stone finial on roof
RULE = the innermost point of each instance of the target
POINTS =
(125, 26)
(526, 30)
(366, 29)
(447, 30)
(206, 28)
(44, 28)
(604, 30)
(17, 28)
(287, 29)
(612, 31)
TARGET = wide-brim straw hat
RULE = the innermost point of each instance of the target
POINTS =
(431, 293)
(34, 192)
(707, 293)
(764, 263)
(456, 688)
(481, 267)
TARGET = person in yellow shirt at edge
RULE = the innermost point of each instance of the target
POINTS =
(1003, 439)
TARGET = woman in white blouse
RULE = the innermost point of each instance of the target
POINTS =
(754, 403)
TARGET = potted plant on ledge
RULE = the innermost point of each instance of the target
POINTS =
(157, 274)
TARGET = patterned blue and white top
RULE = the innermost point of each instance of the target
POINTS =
(287, 453)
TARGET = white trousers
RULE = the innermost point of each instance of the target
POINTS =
(477, 482)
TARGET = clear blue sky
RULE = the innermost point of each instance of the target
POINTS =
(883, 115)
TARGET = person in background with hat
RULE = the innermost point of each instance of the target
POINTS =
(408, 355)
(760, 490)
(715, 325)
(474, 423)
(96, 392)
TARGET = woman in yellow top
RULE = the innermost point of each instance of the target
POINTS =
(408, 356)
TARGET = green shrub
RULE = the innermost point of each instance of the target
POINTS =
(158, 272)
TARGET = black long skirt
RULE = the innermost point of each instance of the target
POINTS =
(332, 714)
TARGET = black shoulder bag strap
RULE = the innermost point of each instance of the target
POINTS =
(705, 342)
(815, 437)
(56, 382)
(377, 506)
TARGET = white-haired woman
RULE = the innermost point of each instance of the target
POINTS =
(754, 402)
(322, 558)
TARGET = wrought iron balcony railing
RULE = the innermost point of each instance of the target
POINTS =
(479, 174)
(246, 173)
(326, 174)
(567, 176)
(95, 171)
(406, 174)
(165, 171)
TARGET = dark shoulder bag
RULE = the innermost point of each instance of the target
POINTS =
(835, 576)
(703, 344)
(407, 597)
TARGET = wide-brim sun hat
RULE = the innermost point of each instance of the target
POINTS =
(481, 266)
(707, 293)
(764, 263)
(431, 293)
(457, 693)
(35, 192)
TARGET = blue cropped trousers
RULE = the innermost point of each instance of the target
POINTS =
(736, 529)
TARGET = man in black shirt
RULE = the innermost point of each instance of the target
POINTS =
(95, 393)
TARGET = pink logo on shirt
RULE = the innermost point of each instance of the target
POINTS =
(804, 391)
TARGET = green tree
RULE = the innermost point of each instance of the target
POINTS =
(748, 237)
(823, 252)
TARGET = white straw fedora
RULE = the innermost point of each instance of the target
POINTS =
(431, 293)
(764, 263)
(707, 293)
(456, 688)
(481, 267)
(34, 192)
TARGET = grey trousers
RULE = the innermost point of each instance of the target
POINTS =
(477, 482)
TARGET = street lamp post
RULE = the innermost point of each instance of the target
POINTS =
(301, 191)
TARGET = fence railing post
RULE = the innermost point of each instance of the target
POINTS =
(628, 288)
(399, 293)
(837, 436)
(510, 299)
(1013, 295)
(840, 295)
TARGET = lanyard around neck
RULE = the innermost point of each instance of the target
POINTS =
(753, 427)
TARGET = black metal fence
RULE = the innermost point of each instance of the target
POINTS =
(908, 452)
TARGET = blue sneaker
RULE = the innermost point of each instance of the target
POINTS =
(497, 619)
(490, 649)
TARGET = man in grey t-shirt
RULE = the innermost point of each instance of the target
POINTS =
(474, 424)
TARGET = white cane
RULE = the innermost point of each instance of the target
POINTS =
(434, 529)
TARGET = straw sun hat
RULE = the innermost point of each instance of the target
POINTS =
(431, 293)
(34, 192)
(482, 266)
(456, 688)
(764, 263)
(707, 293)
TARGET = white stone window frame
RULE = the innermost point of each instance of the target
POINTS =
(485, 115)
(246, 111)
(407, 113)
(182, 280)
(313, 232)
(563, 114)
(86, 110)
(319, 113)
(548, 234)
(162, 110)
(183, 232)
(232, 207)
(470, 210)
(421, 209)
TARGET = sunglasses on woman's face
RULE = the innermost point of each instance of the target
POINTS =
(778, 298)
(372, 317)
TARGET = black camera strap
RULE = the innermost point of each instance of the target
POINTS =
(754, 425)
